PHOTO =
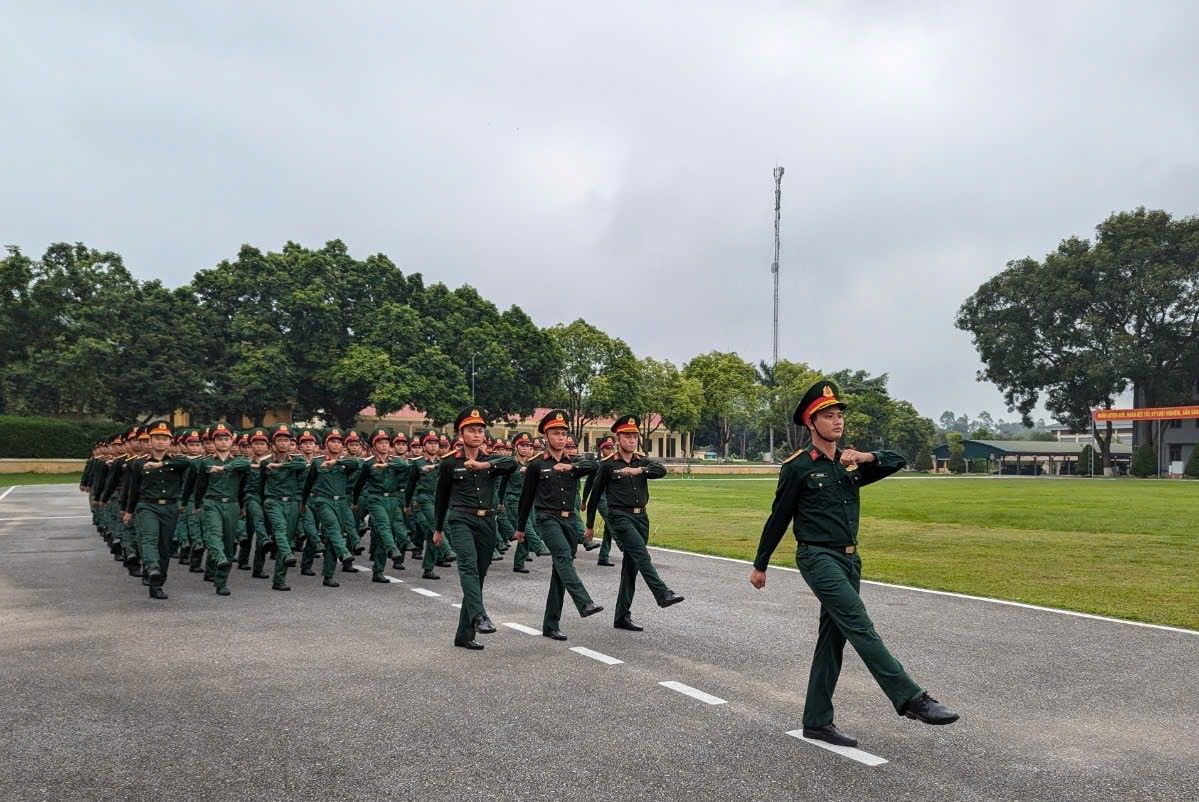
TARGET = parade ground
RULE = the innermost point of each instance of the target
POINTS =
(357, 693)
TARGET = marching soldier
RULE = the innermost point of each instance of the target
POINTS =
(324, 492)
(589, 544)
(818, 494)
(218, 499)
(152, 504)
(465, 483)
(378, 490)
(605, 450)
(623, 480)
(281, 478)
(256, 524)
(421, 492)
(552, 489)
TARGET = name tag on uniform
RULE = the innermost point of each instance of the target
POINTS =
(460, 473)
(545, 472)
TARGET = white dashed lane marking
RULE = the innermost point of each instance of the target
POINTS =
(424, 591)
(694, 693)
(845, 751)
(522, 628)
(603, 658)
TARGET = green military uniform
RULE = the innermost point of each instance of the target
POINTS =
(553, 495)
(588, 488)
(627, 497)
(153, 500)
(218, 498)
(421, 492)
(281, 480)
(510, 489)
(462, 511)
(324, 493)
(379, 489)
(256, 528)
(818, 497)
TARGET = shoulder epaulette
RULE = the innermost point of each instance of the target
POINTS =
(793, 456)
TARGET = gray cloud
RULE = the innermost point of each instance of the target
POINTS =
(625, 154)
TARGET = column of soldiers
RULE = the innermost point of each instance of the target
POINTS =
(213, 498)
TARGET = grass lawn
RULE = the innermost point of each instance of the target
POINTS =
(1123, 548)
(8, 479)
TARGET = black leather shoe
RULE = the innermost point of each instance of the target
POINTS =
(379, 578)
(484, 626)
(929, 710)
(554, 634)
(307, 572)
(348, 566)
(155, 575)
(670, 598)
(520, 569)
(331, 583)
(627, 623)
(291, 561)
(280, 586)
(591, 609)
(208, 578)
(359, 549)
(241, 567)
(260, 575)
(394, 553)
(223, 591)
(223, 564)
(417, 554)
(829, 734)
(396, 564)
(608, 563)
(474, 646)
(199, 569)
(544, 553)
(441, 564)
(156, 592)
(591, 545)
(429, 575)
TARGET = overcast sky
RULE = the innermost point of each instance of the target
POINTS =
(613, 161)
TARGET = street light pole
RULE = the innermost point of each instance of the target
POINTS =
(774, 270)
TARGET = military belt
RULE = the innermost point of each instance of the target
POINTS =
(475, 511)
(280, 498)
(634, 510)
(326, 495)
(165, 501)
(850, 549)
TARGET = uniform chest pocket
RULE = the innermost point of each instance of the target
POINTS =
(459, 473)
(817, 483)
(546, 473)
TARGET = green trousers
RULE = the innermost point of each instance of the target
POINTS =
(631, 531)
(474, 541)
(606, 543)
(348, 515)
(155, 528)
(835, 579)
(220, 521)
(561, 539)
(330, 517)
(284, 520)
(388, 530)
(257, 532)
(532, 541)
(124, 532)
(423, 518)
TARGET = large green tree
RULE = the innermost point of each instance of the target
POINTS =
(1078, 327)
(730, 392)
(599, 374)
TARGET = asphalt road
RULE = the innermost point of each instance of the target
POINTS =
(357, 693)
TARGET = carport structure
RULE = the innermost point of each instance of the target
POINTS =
(1028, 457)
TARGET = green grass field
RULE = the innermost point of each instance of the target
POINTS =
(1124, 548)
(9, 479)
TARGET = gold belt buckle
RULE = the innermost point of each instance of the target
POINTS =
(636, 510)
(162, 502)
(481, 513)
(564, 514)
(850, 549)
